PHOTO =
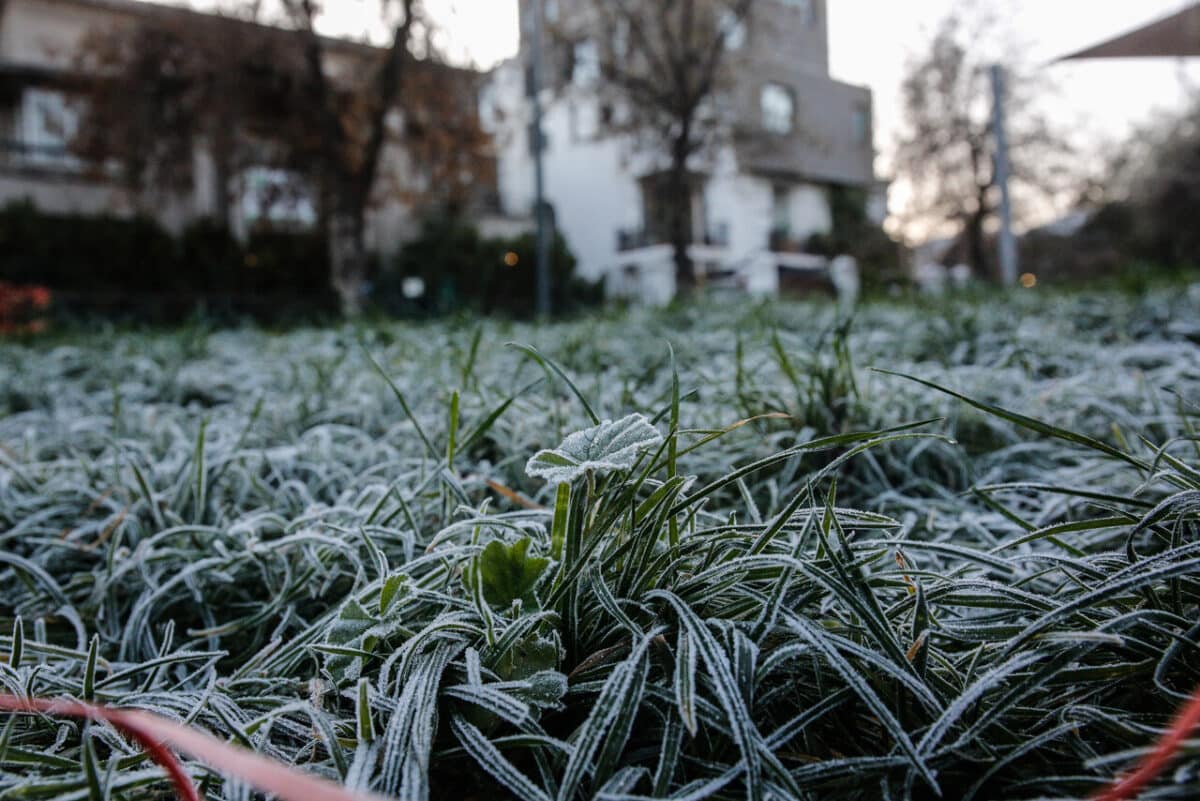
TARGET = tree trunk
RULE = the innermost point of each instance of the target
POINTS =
(223, 179)
(977, 244)
(679, 203)
(348, 261)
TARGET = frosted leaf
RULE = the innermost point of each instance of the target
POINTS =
(608, 446)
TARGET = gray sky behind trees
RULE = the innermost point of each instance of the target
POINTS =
(1098, 103)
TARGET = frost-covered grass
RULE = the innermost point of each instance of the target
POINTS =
(791, 577)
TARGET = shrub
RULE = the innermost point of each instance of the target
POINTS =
(121, 265)
(286, 262)
(84, 253)
(210, 253)
(462, 270)
(880, 258)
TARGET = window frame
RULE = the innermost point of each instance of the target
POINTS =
(771, 119)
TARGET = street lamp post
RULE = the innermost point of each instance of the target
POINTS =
(539, 168)
(1008, 242)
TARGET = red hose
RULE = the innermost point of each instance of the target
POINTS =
(1157, 760)
(123, 721)
(154, 733)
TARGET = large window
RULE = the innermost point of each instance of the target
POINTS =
(39, 132)
(808, 9)
(861, 126)
(585, 63)
(781, 210)
(778, 107)
(620, 38)
(733, 28)
(278, 197)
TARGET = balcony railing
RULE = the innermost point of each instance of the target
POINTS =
(782, 241)
(715, 235)
(18, 154)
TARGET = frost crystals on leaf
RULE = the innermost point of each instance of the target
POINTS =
(608, 446)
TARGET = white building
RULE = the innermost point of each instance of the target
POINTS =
(801, 137)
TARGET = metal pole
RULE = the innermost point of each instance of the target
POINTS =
(539, 148)
(1008, 243)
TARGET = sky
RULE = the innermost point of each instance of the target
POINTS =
(1098, 102)
(1099, 99)
(871, 40)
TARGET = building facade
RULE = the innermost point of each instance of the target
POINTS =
(796, 136)
(44, 93)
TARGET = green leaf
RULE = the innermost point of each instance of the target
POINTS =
(529, 657)
(558, 529)
(365, 726)
(89, 669)
(603, 448)
(18, 643)
(393, 587)
(350, 631)
(507, 572)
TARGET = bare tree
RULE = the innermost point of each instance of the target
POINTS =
(948, 151)
(1163, 187)
(664, 63)
(326, 110)
(176, 83)
(352, 136)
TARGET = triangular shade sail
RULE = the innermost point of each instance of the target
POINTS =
(1176, 36)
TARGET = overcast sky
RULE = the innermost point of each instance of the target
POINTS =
(871, 40)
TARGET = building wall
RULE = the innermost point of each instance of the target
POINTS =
(62, 194)
(592, 180)
(786, 39)
(48, 33)
(826, 143)
(40, 43)
(787, 44)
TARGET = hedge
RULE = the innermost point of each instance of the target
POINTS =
(106, 255)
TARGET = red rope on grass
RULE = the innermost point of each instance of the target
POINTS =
(1157, 760)
(123, 721)
(154, 733)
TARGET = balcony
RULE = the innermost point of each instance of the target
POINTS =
(25, 156)
(715, 236)
(788, 252)
(781, 240)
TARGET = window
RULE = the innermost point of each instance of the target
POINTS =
(781, 209)
(490, 114)
(807, 8)
(659, 203)
(778, 108)
(529, 13)
(733, 28)
(48, 121)
(9, 120)
(278, 197)
(620, 38)
(861, 126)
(585, 64)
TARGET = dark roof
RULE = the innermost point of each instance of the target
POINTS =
(141, 8)
(169, 10)
(1175, 36)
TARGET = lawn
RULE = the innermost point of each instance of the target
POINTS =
(704, 552)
